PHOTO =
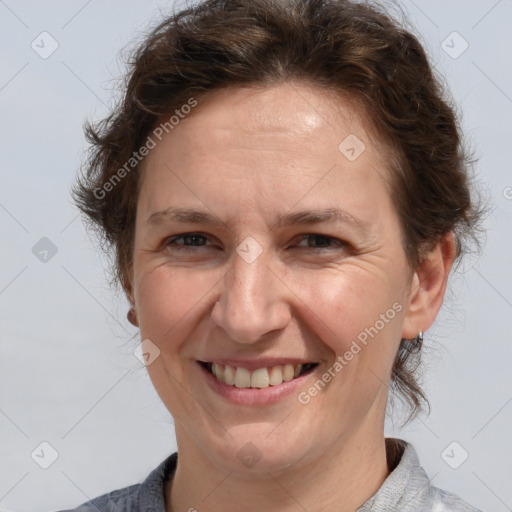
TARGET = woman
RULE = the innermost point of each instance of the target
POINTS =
(285, 191)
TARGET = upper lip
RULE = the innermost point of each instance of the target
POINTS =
(254, 364)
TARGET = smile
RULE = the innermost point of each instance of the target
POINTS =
(259, 378)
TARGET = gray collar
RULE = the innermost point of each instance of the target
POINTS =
(406, 489)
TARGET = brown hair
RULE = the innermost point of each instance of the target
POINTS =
(341, 45)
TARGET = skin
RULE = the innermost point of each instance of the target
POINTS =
(249, 155)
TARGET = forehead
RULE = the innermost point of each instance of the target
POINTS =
(288, 135)
(288, 109)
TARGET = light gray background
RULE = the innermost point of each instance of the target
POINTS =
(68, 373)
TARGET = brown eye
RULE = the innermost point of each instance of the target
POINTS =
(323, 242)
(186, 241)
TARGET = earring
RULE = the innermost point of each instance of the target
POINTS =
(418, 341)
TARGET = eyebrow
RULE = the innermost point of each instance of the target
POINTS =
(316, 216)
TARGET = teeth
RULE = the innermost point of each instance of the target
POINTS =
(229, 375)
(242, 378)
(217, 371)
(276, 376)
(288, 372)
(260, 378)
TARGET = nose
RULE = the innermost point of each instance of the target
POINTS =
(252, 302)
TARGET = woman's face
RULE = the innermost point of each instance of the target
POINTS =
(294, 256)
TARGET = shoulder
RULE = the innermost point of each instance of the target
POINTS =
(408, 487)
(146, 496)
(120, 499)
(445, 501)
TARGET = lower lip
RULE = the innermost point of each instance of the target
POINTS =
(255, 396)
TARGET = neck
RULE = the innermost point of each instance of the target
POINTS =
(339, 480)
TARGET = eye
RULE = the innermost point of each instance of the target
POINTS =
(186, 241)
(189, 241)
(323, 242)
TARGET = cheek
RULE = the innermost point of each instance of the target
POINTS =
(168, 299)
(356, 311)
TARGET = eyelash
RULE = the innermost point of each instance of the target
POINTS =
(170, 242)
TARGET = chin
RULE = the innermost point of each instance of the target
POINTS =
(258, 448)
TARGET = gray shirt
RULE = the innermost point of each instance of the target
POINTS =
(406, 489)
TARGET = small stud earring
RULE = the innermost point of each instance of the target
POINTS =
(418, 341)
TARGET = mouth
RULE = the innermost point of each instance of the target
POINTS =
(259, 378)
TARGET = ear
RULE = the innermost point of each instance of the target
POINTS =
(132, 312)
(132, 317)
(428, 286)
